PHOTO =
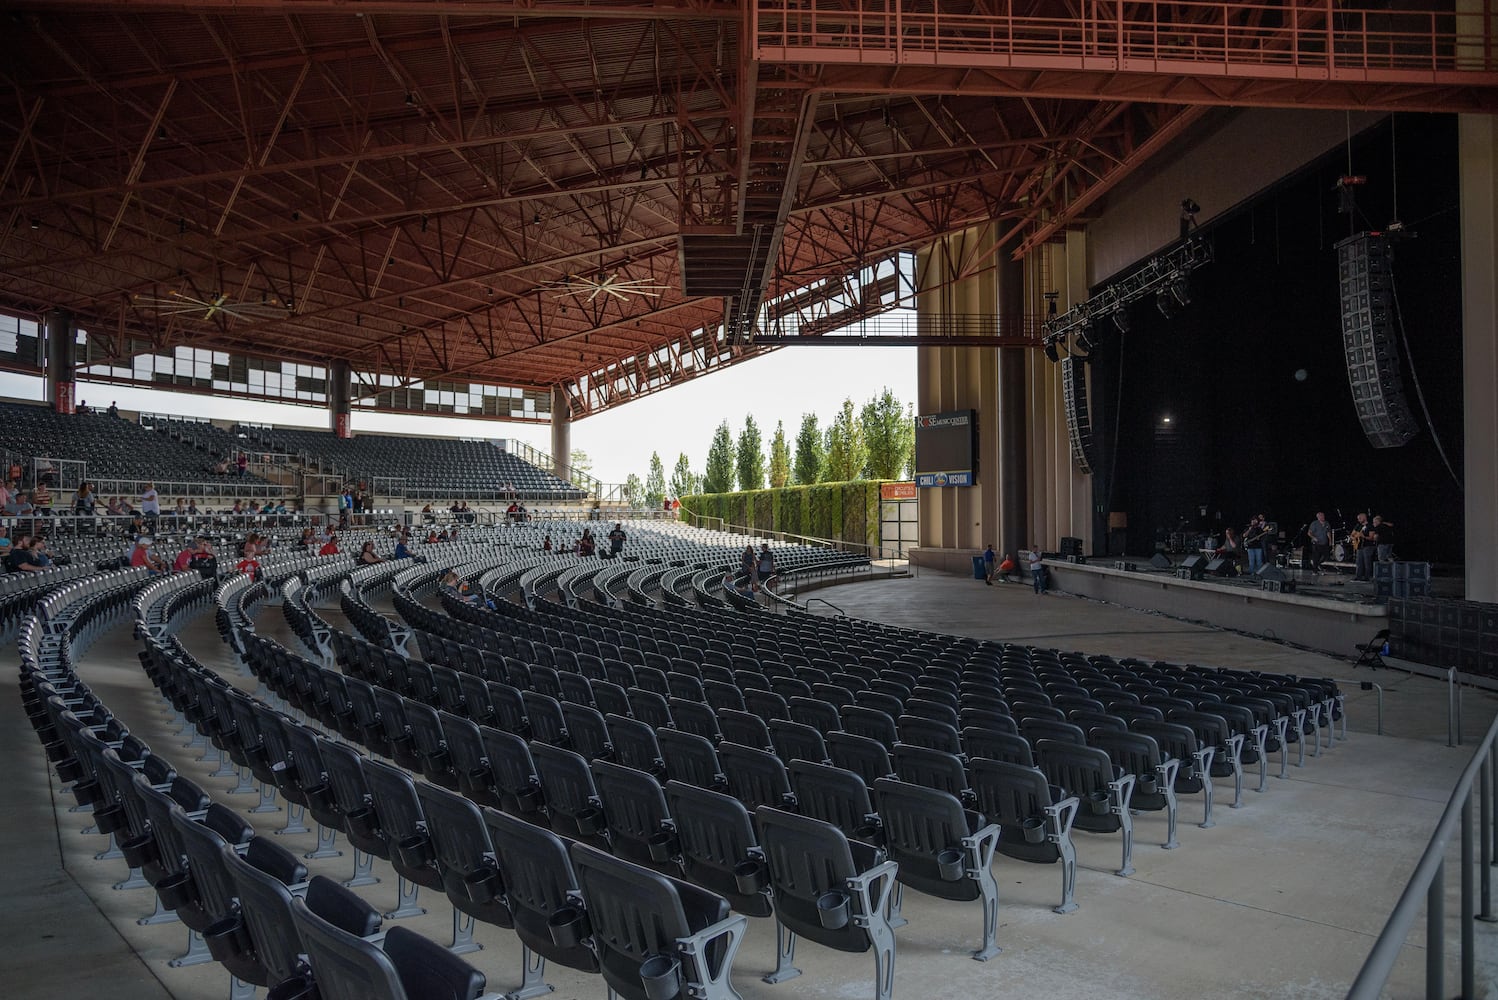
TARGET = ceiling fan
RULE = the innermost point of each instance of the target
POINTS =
(187, 305)
(594, 285)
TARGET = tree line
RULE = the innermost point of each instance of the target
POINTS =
(875, 441)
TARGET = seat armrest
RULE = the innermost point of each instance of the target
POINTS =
(1167, 770)
(979, 849)
(1121, 790)
(696, 955)
(871, 891)
(1060, 816)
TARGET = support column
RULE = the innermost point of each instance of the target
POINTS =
(1477, 146)
(1013, 415)
(62, 354)
(561, 433)
(340, 398)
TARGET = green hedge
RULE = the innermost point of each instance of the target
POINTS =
(847, 512)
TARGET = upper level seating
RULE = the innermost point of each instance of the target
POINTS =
(432, 467)
(113, 448)
(201, 435)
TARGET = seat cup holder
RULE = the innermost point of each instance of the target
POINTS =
(414, 851)
(177, 890)
(296, 988)
(483, 884)
(590, 821)
(57, 750)
(661, 976)
(87, 792)
(111, 818)
(320, 797)
(1097, 803)
(832, 909)
(227, 939)
(1034, 830)
(139, 851)
(949, 865)
(569, 927)
(1146, 784)
(663, 846)
(529, 799)
(362, 822)
(69, 769)
(751, 876)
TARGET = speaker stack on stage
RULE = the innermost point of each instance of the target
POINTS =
(1071, 550)
(1365, 274)
(1275, 580)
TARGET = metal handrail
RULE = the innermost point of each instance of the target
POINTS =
(1429, 881)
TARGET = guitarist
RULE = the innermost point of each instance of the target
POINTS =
(1254, 537)
(1362, 551)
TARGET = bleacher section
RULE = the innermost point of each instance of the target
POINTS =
(428, 467)
(114, 449)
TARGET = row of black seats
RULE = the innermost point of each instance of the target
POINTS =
(246, 901)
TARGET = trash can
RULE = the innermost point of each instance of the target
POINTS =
(979, 572)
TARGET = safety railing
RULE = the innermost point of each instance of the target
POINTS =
(1237, 39)
(1469, 812)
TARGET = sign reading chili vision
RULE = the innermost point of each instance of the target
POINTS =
(946, 448)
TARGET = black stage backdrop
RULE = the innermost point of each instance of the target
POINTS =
(1252, 375)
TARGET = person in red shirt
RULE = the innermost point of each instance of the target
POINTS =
(330, 547)
(141, 555)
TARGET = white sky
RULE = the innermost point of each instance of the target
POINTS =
(779, 386)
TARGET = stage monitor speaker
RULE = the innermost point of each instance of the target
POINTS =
(1192, 567)
(1271, 572)
(1365, 275)
(1220, 567)
(1159, 561)
(1078, 419)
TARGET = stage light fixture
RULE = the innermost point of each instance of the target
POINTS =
(1121, 321)
(1181, 289)
(1165, 304)
(1052, 353)
(1087, 337)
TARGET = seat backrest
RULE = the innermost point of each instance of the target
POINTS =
(635, 743)
(394, 795)
(586, 729)
(794, 741)
(565, 779)
(919, 824)
(745, 728)
(1009, 793)
(1080, 770)
(538, 878)
(695, 717)
(755, 777)
(456, 827)
(869, 723)
(345, 967)
(689, 758)
(716, 834)
(997, 746)
(868, 758)
(634, 808)
(206, 863)
(833, 795)
(931, 769)
(920, 731)
(808, 858)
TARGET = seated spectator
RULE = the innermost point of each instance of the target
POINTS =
(136, 527)
(6, 489)
(141, 555)
(368, 556)
(330, 547)
(467, 591)
(401, 551)
(442, 537)
(41, 498)
(181, 509)
(427, 515)
(5, 546)
(113, 507)
(192, 508)
(305, 542)
(249, 566)
(431, 538)
(18, 505)
(1008, 568)
(546, 544)
(185, 557)
(19, 552)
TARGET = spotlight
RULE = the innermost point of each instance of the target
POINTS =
(1087, 337)
(1121, 320)
(1051, 351)
(1189, 209)
(1050, 302)
(1165, 304)
(1181, 289)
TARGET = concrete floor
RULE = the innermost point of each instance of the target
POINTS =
(1283, 898)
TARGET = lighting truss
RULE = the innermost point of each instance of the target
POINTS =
(1160, 273)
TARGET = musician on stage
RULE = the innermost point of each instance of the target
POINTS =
(1382, 534)
(1363, 551)
(1320, 533)
(1254, 538)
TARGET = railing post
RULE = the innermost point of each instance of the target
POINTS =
(1485, 834)
(1469, 904)
(1453, 737)
(1435, 935)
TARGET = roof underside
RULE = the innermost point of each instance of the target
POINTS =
(534, 194)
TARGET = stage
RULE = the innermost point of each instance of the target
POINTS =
(1329, 613)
